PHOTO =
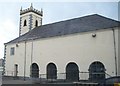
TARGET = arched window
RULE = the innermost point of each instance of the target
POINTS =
(34, 70)
(36, 23)
(96, 71)
(51, 71)
(25, 23)
(72, 72)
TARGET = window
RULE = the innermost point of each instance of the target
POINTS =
(25, 23)
(36, 23)
(96, 71)
(34, 69)
(51, 71)
(72, 72)
(12, 51)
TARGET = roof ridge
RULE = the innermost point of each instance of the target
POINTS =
(108, 18)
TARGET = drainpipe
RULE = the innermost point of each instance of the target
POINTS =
(25, 62)
(32, 52)
(115, 52)
(31, 57)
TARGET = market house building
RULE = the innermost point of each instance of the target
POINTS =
(84, 48)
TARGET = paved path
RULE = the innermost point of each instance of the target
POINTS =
(17, 82)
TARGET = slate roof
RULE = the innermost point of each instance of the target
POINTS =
(76, 25)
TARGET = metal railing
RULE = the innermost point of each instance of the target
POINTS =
(9, 73)
(83, 76)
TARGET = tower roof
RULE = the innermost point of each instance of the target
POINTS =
(31, 9)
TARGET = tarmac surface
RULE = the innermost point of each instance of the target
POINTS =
(17, 82)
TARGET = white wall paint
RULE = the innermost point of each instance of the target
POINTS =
(80, 48)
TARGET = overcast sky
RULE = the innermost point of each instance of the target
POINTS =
(52, 12)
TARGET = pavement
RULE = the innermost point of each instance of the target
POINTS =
(17, 82)
(12, 80)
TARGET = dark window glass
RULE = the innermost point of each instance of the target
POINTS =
(36, 23)
(25, 23)
(51, 71)
(72, 72)
(12, 51)
(96, 71)
(34, 70)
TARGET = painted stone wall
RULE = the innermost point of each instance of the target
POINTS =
(80, 48)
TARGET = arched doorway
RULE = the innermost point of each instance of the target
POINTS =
(51, 71)
(16, 70)
(96, 71)
(72, 72)
(34, 70)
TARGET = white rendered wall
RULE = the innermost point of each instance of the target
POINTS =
(24, 29)
(80, 48)
(118, 49)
